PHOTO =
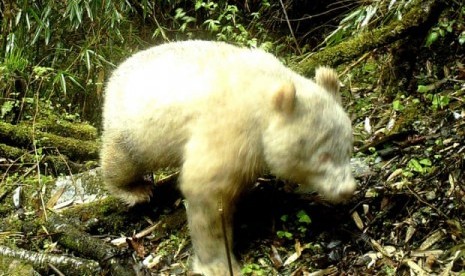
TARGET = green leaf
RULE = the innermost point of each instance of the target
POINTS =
(425, 162)
(284, 234)
(462, 38)
(415, 166)
(397, 105)
(198, 4)
(303, 217)
(6, 108)
(423, 88)
(442, 32)
(432, 37)
(63, 82)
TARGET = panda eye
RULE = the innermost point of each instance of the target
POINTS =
(324, 157)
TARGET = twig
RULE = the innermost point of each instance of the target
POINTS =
(352, 65)
(290, 27)
(427, 203)
(225, 236)
(57, 271)
(162, 32)
(36, 155)
(143, 233)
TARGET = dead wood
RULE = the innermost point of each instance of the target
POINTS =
(69, 236)
(43, 261)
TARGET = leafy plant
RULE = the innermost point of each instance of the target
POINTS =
(75, 38)
(421, 166)
(370, 13)
(452, 24)
(301, 223)
(252, 269)
(440, 30)
(227, 23)
(284, 234)
(397, 105)
(303, 220)
(439, 101)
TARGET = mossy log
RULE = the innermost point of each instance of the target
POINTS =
(60, 127)
(111, 214)
(55, 164)
(114, 216)
(73, 238)
(419, 15)
(23, 136)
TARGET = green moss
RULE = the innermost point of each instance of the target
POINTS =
(109, 211)
(21, 135)
(63, 128)
(369, 40)
(13, 267)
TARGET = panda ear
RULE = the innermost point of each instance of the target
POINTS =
(329, 80)
(284, 98)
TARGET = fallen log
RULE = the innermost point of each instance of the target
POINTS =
(54, 125)
(55, 164)
(419, 15)
(48, 262)
(23, 136)
(70, 237)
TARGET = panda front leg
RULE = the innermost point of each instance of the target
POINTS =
(211, 193)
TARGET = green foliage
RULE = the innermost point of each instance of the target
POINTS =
(61, 49)
(451, 24)
(368, 15)
(389, 270)
(438, 101)
(224, 21)
(284, 234)
(252, 269)
(65, 50)
(397, 105)
(300, 224)
(440, 30)
(303, 217)
(421, 166)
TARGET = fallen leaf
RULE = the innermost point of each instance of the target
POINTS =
(151, 261)
(275, 257)
(431, 240)
(55, 197)
(358, 221)
(137, 246)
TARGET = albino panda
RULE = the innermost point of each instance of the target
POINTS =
(224, 115)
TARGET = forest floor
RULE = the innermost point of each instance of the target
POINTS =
(406, 218)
